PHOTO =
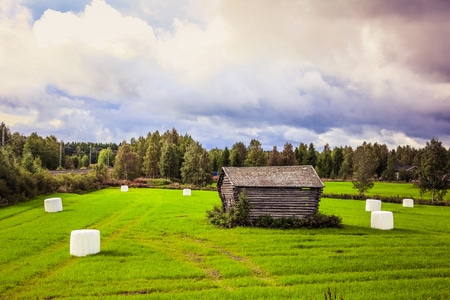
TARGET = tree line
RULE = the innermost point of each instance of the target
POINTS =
(180, 158)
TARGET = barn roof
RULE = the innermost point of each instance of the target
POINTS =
(274, 176)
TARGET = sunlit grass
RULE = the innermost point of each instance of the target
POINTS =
(386, 189)
(157, 244)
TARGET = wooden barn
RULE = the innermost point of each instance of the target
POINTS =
(290, 191)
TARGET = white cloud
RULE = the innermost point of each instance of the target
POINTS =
(227, 71)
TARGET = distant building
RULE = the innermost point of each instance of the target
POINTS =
(404, 173)
(290, 191)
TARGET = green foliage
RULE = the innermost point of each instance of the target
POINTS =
(301, 154)
(314, 221)
(106, 157)
(324, 165)
(238, 154)
(311, 155)
(169, 163)
(434, 170)
(126, 164)
(81, 183)
(236, 215)
(158, 181)
(225, 160)
(152, 156)
(255, 156)
(195, 168)
(364, 166)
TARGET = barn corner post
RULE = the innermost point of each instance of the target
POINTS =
(227, 191)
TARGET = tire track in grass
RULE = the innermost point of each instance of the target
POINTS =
(214, 261)
(37, 271)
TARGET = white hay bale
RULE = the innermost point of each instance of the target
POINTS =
(84, 242)
(53, 205)
(382, 220)
(373, 205)
(408, 203)
(187, 192)
(124, 188)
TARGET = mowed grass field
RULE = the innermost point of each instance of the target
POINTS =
(385, 189)
(157, 244)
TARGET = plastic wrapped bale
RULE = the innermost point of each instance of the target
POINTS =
(84, 242)
(373, 205)
(124, 188)
(408, 203)
(382, 220)
(187, 192)
(53, 205)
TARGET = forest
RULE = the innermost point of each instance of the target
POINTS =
(26, 162)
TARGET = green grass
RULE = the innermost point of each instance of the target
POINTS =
(386, 189)
(157, 244)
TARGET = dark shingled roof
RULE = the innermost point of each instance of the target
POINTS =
(276, 176)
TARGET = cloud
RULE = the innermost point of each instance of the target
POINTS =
(227, 71)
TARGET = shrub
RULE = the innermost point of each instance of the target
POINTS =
(158, 181)
(315, 221)
(237, 214)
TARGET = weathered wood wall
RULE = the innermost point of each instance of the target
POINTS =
(283, 202)
(228, 194)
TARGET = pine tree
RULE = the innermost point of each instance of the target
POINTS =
(225, 158)
(152, 156)
(169, 163)
(311, 156)
(301, 153)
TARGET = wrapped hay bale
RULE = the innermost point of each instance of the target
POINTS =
(373, 205)
(84, 242)
(408, 203)
(382, 220)
(53, 205)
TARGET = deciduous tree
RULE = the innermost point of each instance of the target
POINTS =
(256, 156)
(106, 157)
(274, 157)
(434, 170)
(196, 168)
(288, 155)
(364, 167)
(238, 154)
(126, 164)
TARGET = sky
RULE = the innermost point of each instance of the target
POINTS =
(226, 71)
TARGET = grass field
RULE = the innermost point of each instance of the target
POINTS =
(157, 244)
(386, 189)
